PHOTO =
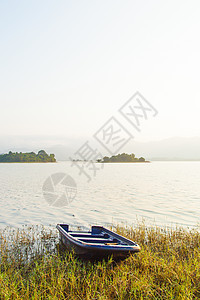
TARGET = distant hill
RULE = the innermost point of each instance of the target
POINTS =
(176, 148)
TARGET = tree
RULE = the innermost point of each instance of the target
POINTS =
(42, 156)
(141, 159)
(123, 157)
(133, 156)
(42, 152)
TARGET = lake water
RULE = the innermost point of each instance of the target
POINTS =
(161, 193)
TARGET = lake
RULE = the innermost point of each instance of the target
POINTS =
(161, 193)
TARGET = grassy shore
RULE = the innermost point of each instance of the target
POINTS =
(33, 266)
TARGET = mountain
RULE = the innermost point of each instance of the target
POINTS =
(176, 148)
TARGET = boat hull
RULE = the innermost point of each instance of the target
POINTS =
(89, 250)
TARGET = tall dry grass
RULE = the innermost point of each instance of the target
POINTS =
(33, 266)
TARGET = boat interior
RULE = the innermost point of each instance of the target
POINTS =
(96, 236)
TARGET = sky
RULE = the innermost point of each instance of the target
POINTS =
(66, 67)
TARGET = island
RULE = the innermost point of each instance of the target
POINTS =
(31, 157)
(122, 158)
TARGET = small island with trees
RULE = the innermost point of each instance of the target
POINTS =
(31, 157)
(122, 158)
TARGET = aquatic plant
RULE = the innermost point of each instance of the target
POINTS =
(34, 266)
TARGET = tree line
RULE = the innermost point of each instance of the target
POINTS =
(41, 156)
(123, 157)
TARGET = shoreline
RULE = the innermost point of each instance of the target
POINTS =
(38, 267)
(28, 162)
(124, 162)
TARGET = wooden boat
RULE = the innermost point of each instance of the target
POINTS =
(97, 243)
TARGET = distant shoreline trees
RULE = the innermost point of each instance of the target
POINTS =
(123, 157)
(41, 156)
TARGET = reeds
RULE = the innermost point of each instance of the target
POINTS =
(33, 266)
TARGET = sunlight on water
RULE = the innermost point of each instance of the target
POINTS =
(163, 193)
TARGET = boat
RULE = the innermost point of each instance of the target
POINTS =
(97, 243)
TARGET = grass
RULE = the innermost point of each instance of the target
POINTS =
(33, 266)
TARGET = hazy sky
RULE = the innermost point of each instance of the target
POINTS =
(68, 66)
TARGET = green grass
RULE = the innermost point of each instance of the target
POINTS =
(34, 267)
